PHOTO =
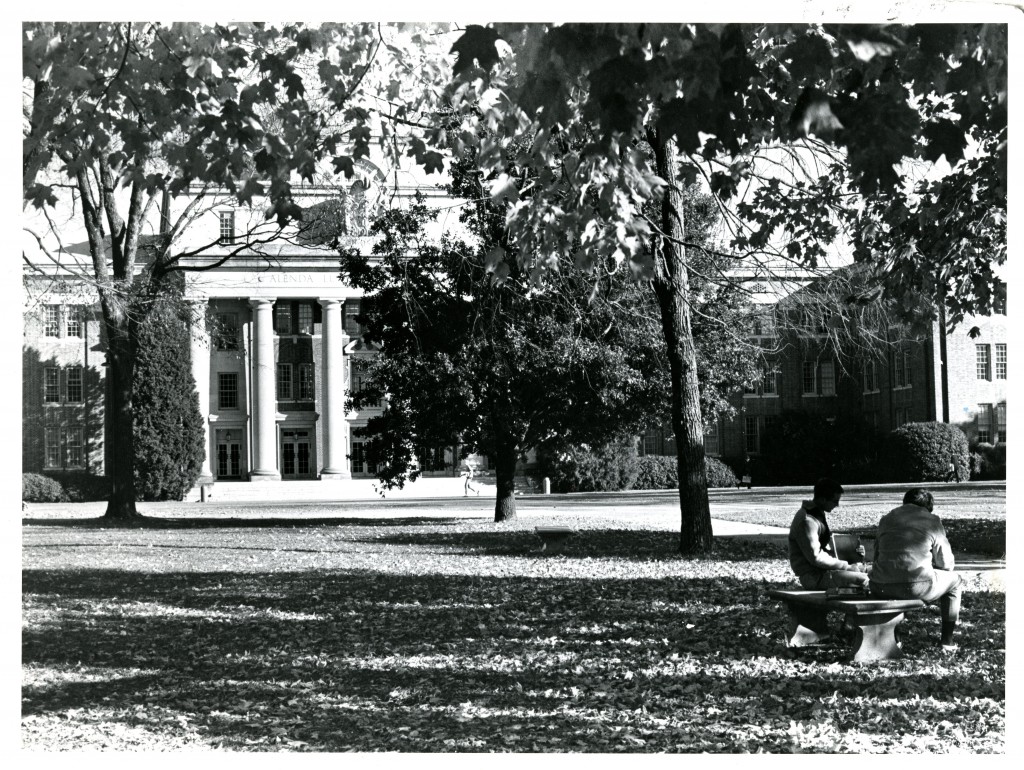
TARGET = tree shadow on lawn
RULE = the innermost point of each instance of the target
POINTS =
(342, 660)
(242, 522)
(632, 544)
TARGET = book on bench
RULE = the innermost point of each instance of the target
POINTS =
(845, 547)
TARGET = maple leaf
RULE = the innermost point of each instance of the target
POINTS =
(477, 43)
(812, 114)
(944, 138)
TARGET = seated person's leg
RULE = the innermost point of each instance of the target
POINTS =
(947, 588)
(814, 581)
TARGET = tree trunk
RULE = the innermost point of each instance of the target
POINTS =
(505, 477)
(120, 372)
(671, 285)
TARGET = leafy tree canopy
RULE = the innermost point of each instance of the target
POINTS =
(881, 99)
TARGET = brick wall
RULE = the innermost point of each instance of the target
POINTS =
(39, 353)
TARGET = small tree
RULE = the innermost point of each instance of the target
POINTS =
(487, 364)
(169, 443)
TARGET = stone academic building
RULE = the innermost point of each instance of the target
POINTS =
(274, 357)
(276, 350)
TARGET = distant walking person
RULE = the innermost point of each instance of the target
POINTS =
(913, 560)
(810, 544)
(469, 473)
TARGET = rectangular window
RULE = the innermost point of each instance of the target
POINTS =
(305, 318)
(306, 391)
(810, 378)
(650, 442)
(227, 227)
(351, 324)
(74, 321)
(226, 331)
(75, 453)
(284, 382)
(750, 436)
(1001, 422)
(359, 463)
(899, 370)
(73, 391)
(984, 371)
(984, 419)
(283, 317)
(1001, 361)
(51, 321)
(902, 416)
(828, 378)
(51, 385)
(51, 441)
(711, 441)
(227, 390)
(769, 380)
(870, 377)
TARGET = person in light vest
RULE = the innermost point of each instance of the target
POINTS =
(913, 560)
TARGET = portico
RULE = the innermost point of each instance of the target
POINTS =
(271, 369)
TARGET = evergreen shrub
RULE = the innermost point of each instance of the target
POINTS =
(169, 428)
(81, 487)
(719, 474)
(988, 462)
(657, 472)
(582, 468)
(662, 472)
(37, 488)
(924, 451)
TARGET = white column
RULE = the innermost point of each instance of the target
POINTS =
(264, 385)
(334, 425)
(200, 344)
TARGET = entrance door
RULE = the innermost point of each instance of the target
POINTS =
(295, 454)
(229, 459)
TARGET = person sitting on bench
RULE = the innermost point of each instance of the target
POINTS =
(913, 560)
(810, 546)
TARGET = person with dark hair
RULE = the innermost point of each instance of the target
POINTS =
(810, 544)
(913, 560)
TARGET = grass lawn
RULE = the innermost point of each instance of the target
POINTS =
(427, 628)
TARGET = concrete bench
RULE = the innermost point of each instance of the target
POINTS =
(553, 538)
(874, 621)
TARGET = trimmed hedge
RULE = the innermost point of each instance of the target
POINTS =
(63, 488)
(925, 451)
(719, 474)
(657, 472)
(591, 469)
(662, 472)
(36, 488)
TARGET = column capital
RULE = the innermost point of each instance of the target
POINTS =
(257, 301)
(328, 301)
